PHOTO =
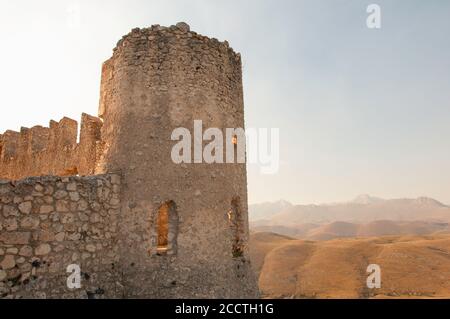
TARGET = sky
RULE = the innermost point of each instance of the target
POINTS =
(360, 111)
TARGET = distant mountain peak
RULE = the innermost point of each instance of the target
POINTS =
(428, 201)
(284, 203)
(267, 209)
(366, 199)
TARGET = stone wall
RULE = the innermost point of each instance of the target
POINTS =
(52, 150)
(159, 79)
(48, 223)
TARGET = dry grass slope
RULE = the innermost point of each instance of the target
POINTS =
(260, 244)
(412, 266)
(339, 229)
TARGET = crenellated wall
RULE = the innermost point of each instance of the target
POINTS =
(52, 150)
(169, 230)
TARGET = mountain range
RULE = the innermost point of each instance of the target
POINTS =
(365, 216)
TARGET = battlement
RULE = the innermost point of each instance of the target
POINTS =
(51, 150)
(143, 226)
(157, 33)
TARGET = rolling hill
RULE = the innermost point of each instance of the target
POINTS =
(346, 230)
(411, 266)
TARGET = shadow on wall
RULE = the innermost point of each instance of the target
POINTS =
(237, 227)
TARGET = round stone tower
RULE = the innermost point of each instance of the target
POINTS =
(184, 227)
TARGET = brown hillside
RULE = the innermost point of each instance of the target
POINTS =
(411, 267)
(262, 243)
(345, 229)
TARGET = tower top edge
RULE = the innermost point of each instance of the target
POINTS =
(180, 30)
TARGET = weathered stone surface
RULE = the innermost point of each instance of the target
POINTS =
(90, 248)
(68, 218)
(29, 222)
(10, 211)
(46, 236)
(49, 189)
(48, 199)
(95, 218)
(26, 251)
(43, 249)
(46, 209)
(73, 236)
(25, 207)
(53, 149)
(62, 206)
(12, 251)
(71, 187)
(85, 256)
(83, 205)
(115, 179)
(74, 196)
(183, 26)
(10, 224)
(13, 238)
(60, 194)
(8, 262)
(60, 237)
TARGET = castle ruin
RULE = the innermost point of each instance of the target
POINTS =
(114, 203)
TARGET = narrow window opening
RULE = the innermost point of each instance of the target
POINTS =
(237, 227)
(234, 140)
(163, 229)
(167, 229)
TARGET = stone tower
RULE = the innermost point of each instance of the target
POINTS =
(184, 227)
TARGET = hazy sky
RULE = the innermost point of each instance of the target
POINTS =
(359, 110)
